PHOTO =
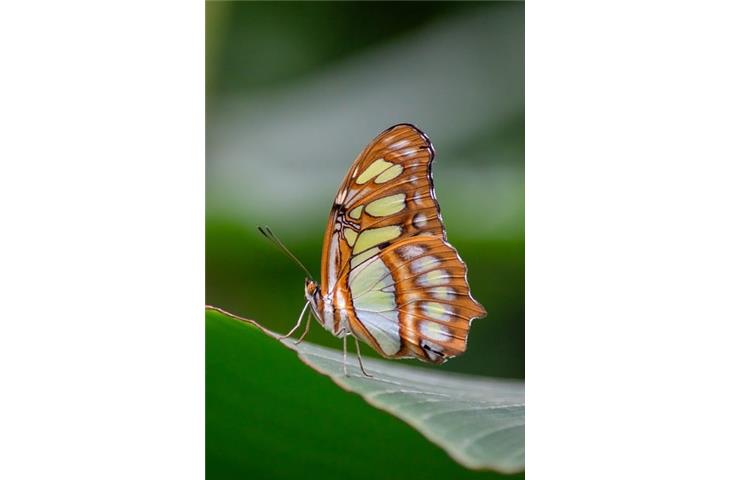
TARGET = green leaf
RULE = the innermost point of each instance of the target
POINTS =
(480, 422)
(268, 415)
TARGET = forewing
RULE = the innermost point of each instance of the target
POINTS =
(386, 195)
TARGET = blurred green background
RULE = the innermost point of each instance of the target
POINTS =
(296, 90)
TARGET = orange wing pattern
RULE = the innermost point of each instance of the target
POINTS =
(398, 161)
(434, 304)
(387, 270)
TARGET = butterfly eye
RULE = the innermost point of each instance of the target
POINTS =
(311, 286)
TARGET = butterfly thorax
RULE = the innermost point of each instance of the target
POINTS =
(326, 312)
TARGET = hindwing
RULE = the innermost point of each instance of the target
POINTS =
(413, 300)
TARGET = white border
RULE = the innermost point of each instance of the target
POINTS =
(101, 257)
(627, 239)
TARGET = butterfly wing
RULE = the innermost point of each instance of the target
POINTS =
(413, 300)
(386, 194)
(386, 263)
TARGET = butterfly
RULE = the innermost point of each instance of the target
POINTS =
(389, 277)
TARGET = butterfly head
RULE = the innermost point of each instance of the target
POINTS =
(314, 296)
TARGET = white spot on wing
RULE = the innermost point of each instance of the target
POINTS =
(437, 311)
(411, 251)
(435, 331)
(410, 152)
(421, 199)
(433, 350)
(443, 293)
(420, 220)
(422, 264)
(433, 278)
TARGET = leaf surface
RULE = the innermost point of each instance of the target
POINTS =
(480, 422)
(261, 401)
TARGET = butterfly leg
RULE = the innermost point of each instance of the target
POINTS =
(306, 328)
(344, 354)
(299, 322)
(359, 359)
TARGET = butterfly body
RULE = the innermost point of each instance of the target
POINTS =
(389, 276)
(330, 315)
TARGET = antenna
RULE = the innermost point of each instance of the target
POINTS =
(266, 232)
